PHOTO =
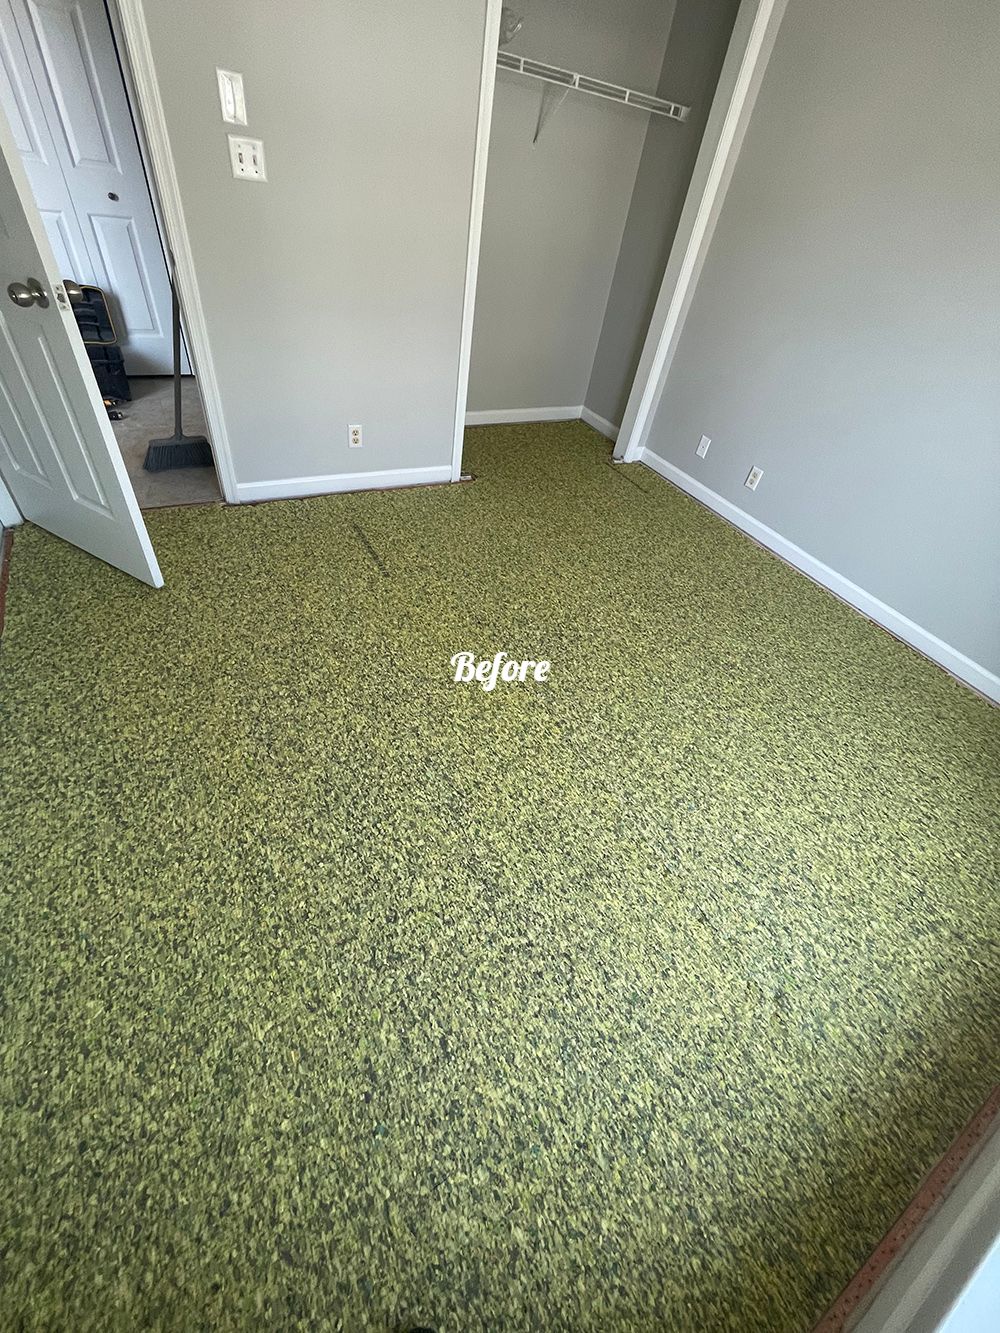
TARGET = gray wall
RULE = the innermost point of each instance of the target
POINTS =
(555, 211)
(699, 37)
(844, 334)
(332, 293)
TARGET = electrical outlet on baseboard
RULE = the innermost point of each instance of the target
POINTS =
(753, 477)
(355, 437)
(702, 449)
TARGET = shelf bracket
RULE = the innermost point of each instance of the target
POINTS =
(551, 100)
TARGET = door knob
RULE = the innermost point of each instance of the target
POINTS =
(30, 293)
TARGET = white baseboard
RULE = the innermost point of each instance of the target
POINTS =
(601, 424)
(505, 416)
(929, 644)
(10, 515)
(288, 488)
(511, 415)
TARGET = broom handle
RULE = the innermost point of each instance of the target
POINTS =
(175, 309)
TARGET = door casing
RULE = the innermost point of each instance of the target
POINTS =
(128, 23)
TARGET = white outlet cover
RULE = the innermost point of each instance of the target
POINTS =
(247, 158)
(231, 99)
(702, 449)
(753, 477)
(355, 437)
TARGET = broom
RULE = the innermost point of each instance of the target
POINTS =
(179, 450)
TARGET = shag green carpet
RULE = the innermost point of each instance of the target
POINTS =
(336, 995)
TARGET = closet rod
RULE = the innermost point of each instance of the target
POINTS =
(583, 83)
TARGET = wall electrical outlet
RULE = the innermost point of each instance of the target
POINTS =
(231, 99)
(702, 449)
(247, 157)
(355, 437)
(753, 477)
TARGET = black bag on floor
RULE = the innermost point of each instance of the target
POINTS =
(93, 318)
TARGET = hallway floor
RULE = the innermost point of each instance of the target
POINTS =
(150, 415)
(338, 995)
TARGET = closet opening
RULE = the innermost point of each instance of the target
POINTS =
(598, 113)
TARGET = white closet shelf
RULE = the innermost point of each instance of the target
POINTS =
(583, 83)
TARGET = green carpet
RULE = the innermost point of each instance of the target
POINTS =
(335, 995)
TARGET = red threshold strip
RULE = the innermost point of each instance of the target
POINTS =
(936, 1185)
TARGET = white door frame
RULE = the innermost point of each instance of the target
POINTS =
(129, 26)
(491, 41)
(114, 18)
(750, 46)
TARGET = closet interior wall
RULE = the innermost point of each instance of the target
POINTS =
(578, 226)
(699, 38)
(555, 210)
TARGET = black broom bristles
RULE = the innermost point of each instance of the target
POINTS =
(179, 450)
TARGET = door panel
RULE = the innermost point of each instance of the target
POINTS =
(61, 32)
(70, 53)
(20, 111)
(63, 237)
(28, 122)
(29, 398)
(58, 456)
(125, 265)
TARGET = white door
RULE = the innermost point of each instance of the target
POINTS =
(58, 456)
(64, 95)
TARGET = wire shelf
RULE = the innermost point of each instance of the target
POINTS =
(583, 83)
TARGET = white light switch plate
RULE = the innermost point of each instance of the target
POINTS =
(231, 99)
(247, 157)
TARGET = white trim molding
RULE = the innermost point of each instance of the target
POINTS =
(149, 110)
(10, 515)
(953, 661)
(947, 1278)
(491, 41)
(506, 416)
(602, 424)
(750, 49)
(290, 488)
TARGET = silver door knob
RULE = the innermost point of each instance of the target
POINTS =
(30, 293)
